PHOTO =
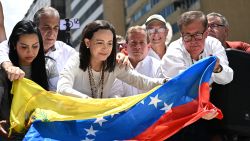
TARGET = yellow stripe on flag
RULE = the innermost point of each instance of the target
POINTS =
(32, 102)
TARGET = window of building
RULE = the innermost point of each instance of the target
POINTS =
(154, 2)
(175, 28)
(130, 3)
(167, 11)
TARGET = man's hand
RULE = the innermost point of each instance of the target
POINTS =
(122, 60)
(218, 68)
(210, 115)
(13, 72)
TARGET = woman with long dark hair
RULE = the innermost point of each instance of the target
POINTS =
(26, 51)
(91, 73)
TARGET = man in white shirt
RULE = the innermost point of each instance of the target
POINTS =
(47, 19)
(159, 33)
(194, 45)
(137, 47)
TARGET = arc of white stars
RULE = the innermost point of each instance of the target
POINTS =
(91, 131)
(167, 107)
(100, 120)
(154, 101)
(87, 139)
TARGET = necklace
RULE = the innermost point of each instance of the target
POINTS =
(95, 88)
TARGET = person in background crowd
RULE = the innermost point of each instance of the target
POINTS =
(26, 52)
(137, 47)
(160, 34)
(121, 44)
(218, 27)
(2, 29)
(47, 19)
(92, 73)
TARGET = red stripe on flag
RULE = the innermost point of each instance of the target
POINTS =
(179, 117)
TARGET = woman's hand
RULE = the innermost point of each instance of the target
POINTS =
(122, 60)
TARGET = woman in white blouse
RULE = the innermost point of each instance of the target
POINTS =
(92, 73)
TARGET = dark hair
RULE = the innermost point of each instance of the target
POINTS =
(191, 16)
(84, 52)
(38, 69)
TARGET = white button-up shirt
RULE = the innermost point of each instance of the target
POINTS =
(177, 59)
(152, 53)
(61, 53)
(149, 66)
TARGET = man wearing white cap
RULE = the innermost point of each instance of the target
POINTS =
(160, 34)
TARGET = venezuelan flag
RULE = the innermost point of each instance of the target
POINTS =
(155, 115)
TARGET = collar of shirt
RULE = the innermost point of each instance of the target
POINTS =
(51, 49)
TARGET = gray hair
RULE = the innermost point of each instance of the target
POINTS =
(222, 18)
(45, 11)
(191, 16)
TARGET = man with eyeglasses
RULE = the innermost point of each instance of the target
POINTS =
(137, 48)
(193, 45)
(159, 33)
(218, 27)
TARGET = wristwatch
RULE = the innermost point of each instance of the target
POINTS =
(219, 69)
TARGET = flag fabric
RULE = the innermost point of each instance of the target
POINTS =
(155, 115)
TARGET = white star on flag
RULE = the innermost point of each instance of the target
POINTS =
(112, 115)
(142, 102)
(166, 107)
(100, 120)
(90, 131)
(87, 139)
(154, 101)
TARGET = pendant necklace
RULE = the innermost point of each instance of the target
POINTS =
(96, 92)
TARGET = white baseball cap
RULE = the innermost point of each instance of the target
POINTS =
(155, 17)
(167, 25)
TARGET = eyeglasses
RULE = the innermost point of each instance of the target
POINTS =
(197, 37)
(212, 26)
(102, 44)
(154, 30)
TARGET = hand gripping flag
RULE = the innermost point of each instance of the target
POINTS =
(155, 115)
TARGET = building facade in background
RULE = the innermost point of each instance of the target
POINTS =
(36, 5)
(125, 13)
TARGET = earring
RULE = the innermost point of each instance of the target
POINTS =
(87, 46)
